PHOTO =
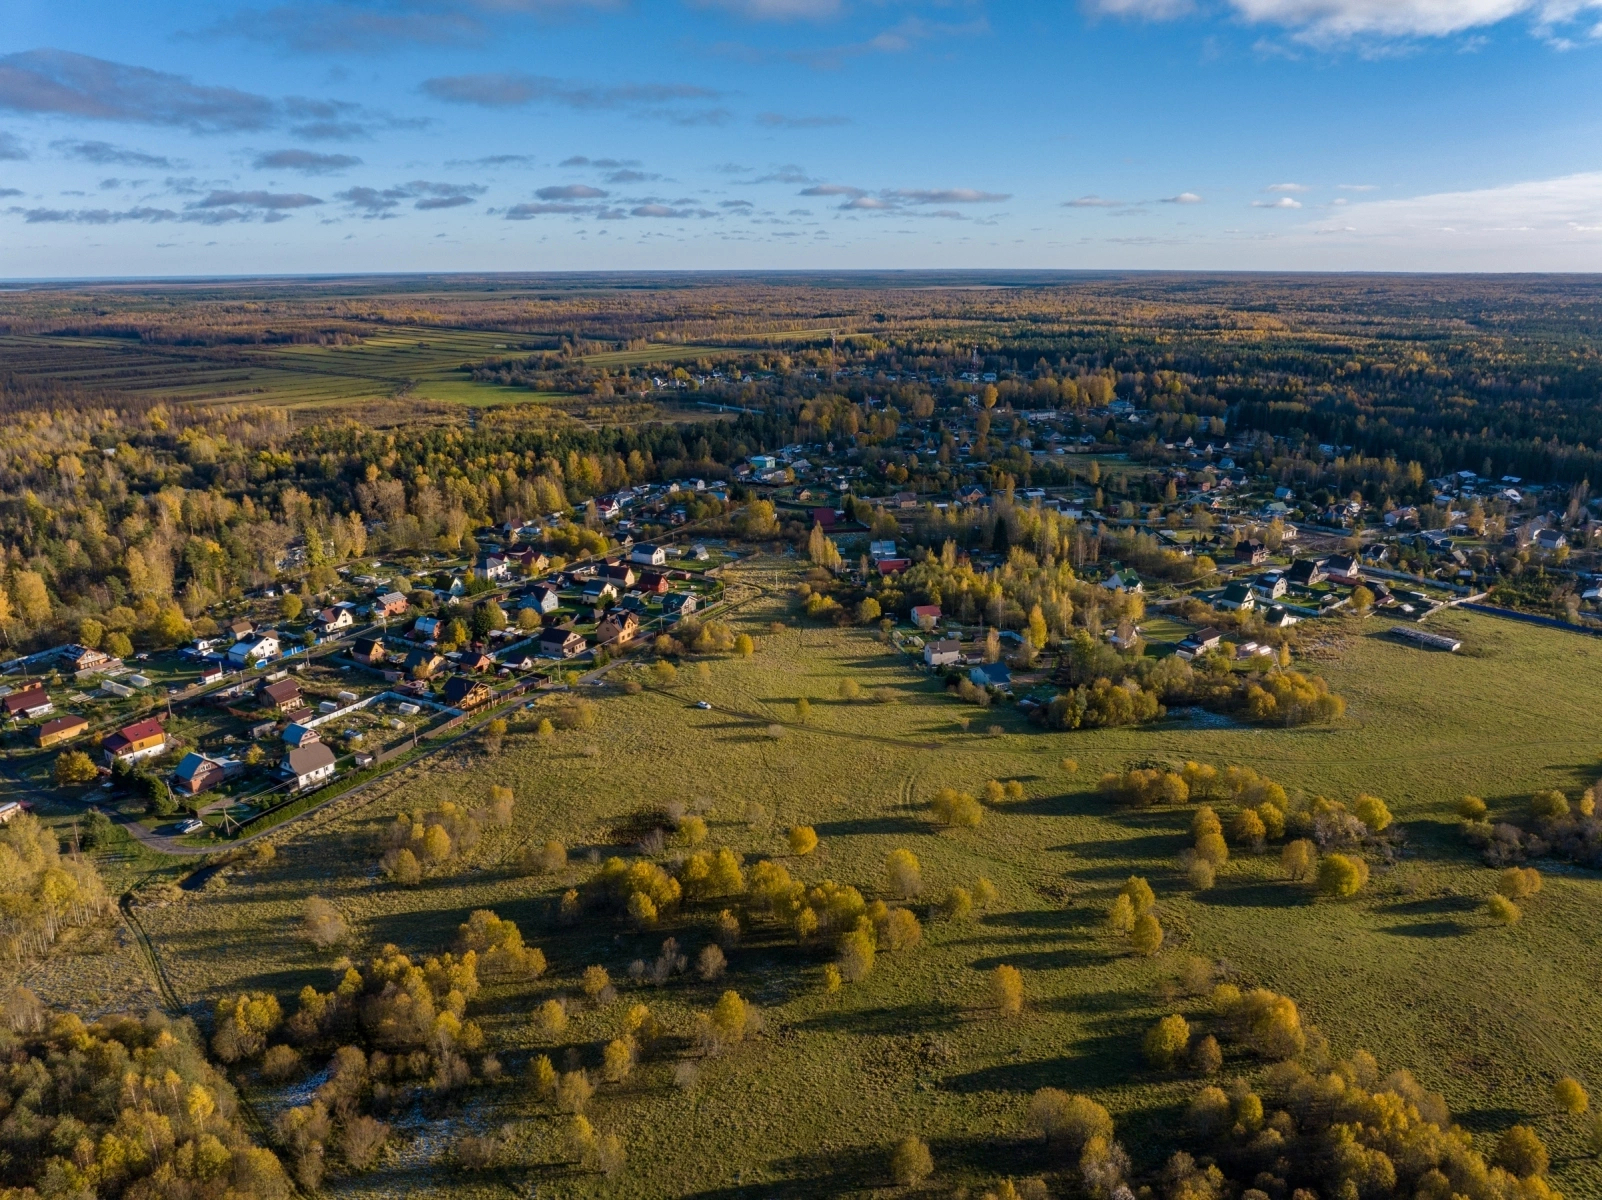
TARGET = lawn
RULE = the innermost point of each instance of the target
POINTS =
(1412, 969)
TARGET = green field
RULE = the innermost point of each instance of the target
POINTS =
(1412, 969)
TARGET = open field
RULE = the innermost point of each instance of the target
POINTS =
(1412, 969)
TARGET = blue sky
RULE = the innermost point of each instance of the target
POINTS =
(165, 138)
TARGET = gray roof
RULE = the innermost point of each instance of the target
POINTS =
(303, 760)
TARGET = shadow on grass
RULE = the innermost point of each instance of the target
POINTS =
(1433, 906)
(866, 1169)
(1257, 894)
(900, 1019)
(1054, 959)
(896, 825)
(1429, 929)
(1078, 917)
(1147, 845)
(1064, 804)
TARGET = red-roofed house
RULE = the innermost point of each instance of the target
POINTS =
(136, 742)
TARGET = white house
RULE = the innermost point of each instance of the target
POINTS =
(648, 554)
(257, 648)
(884, 549)
(942, 653)
(309, 765)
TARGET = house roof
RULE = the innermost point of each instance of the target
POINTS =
(282, 692)
(994, 672)
(62, 724)
(30, 697)
(139, 731)
(945, 646)
(459, 688)
(193, 764)
(312, 756)
(1237, 591)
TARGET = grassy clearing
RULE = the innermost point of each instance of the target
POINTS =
(1412, 970)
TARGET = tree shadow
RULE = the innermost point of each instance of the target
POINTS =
(896, 825)
(906, 1018)
(1258, 894)
(1433, 905)
(1064, 804)
(1077, 917)
(1429, 929)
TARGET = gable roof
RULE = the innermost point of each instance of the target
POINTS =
(309, 757)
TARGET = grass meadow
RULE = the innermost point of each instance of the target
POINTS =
(1411, 970)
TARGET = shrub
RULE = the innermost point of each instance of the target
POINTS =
(1246, 828)
(1502, 910)
(1210, 1113)
(1199, 873)
(744, 647)
(595, 981)
(903, 874)
(710, 963)
(910, 1162)
(360, 1141)
(831, 977)
(957, 905)
(618, 1059)
(957, 809)
(1271, 1023)
(984, 893)
(1570, 1096)
(1298, 859)
(803, 839)
(1146, 787)
(551, 1019)
(322, 923)
(1006, 989)
(1121, 916)
(1273, 818)
(573, 1091)
(1519, 883)
(692, 830)
(1070, 1121)
(542, 1077)
(1471, 808)
(1205, 822)
(1520, 1151)
(850, 689)
(1070, 765)
(1166, 1042)
(610, 1155)
(1140, 894)
(1372, 811)
(1211, 848)
(856, 955)
(901, 930)
(243, 1024)
(732, 1018)
(1341, 876)
(552, 856)
(74, 768)
(1548, 806)
(1146, 938)
(280, 1064)
(1206, 1056)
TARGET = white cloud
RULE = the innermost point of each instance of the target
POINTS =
(1282, 202)
(1357, 187)
(1183, 198)
(1340, 20)
(1287, 187)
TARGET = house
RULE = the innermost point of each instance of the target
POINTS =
(494, 567)
(331, 620)
(648, 555)
(532, 561)
(763, 462)
(620, 574)
(619, 628)
(994, 675)
(543, 599)
(464, 693)
(559, 642)
(634, 603)
(423, 661)
(700, 553)
(597, 590)
(971, 494)
(1199, 641)
(81, 659)
(893, 566)
(682, 603)
(1342, 569)
(1277, 616)
(58, 730)
(1551, 539)
(253, 649)
(476, 661)
(1238, 596)
(1123, 581)
(427, 628)
(905, 499)
(369, 650)
(309, 765)
(390, 604)
(283, 694)
(825, 517)
(1270, 586)
(922, 613)
(242, 629)
(296, 734)
(1306, 572)
(882, 549)
(135, 743)
(198, 772)
(31, 701)
(942, 653)
(653, 583)
(1251, 551)
(211, 673)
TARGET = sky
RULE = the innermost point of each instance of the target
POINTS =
(165, 138)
